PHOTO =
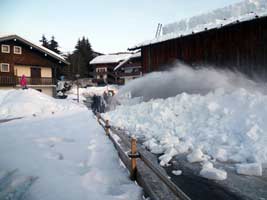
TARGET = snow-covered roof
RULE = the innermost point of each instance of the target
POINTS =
(110, 58)
(237, 13)
(34, 45)
(135, 55)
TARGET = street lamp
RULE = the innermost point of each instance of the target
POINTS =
(77, 77)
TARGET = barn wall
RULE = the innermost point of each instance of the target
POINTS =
(242, 46)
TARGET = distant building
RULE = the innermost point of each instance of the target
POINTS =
(116, 68)
(19, 57)
(238, 43)
(129, 69)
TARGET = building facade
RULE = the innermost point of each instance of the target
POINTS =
(116, 68)
(38, 64)
(129, 69)
(239, 45)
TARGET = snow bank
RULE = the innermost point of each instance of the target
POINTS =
(20, 103)
(222, 125)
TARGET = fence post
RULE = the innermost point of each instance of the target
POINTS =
(98, 117)
(107, 127)
(133, 159)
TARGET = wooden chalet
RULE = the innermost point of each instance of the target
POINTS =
(116, 68)
(239, 44)
(19, 57)
(129, 69)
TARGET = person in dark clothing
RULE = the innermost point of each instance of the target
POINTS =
(94, 104)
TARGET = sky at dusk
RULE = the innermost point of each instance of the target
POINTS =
(110, 26)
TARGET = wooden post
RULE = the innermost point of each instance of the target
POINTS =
(133, 159)
(107, 127)
(98, 117)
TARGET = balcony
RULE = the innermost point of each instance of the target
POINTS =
(15, 80)
(124, 74)
(7, 80)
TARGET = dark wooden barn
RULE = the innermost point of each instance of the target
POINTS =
(239, 45)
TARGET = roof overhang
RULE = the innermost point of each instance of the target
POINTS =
(35, 46)
(173, 36)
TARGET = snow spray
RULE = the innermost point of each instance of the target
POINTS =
(184, 79)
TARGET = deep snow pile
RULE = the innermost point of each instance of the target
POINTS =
(224, 126)
(20, 103)
(70, 156)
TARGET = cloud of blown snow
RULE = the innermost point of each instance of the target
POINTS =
(183, 78)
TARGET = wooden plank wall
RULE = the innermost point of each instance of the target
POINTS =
(241, 46)
(29, 57)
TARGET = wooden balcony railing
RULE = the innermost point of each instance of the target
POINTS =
(7, 80)
(15, 80)
(38, 81)
(122, 74)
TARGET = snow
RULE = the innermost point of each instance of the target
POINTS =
(223, 125)
(110, 58)
(195, 156)
(209, 172)
(61, 156)
(236, 13)
(90, 91)
(251, 169)
(134, 55)
(177, 172)
(21, 103)
(232, 12)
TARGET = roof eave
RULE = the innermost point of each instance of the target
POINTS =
(10, 37)
(205, 30)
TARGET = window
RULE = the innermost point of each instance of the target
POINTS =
(5, 48)
(17, 50)
(4, 67)
(101, 70)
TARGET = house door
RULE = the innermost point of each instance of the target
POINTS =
(35, 76)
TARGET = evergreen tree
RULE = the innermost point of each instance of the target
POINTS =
(80, 58)
(53, 45)
(44, 42)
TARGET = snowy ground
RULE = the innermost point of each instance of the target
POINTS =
(64, 155)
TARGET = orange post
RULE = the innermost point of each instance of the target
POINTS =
(133, 159)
